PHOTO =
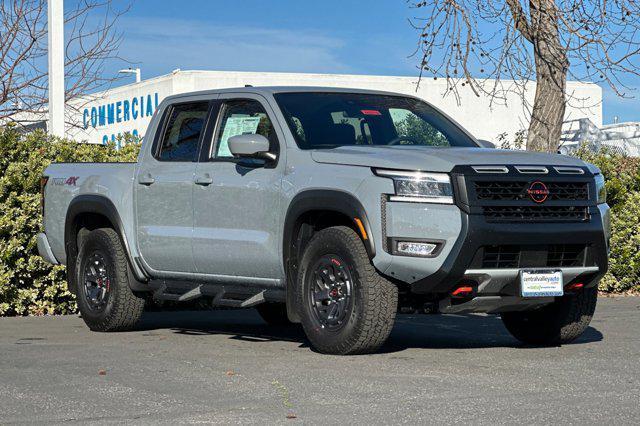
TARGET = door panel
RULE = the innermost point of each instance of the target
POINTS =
(237, 219)
(165, 216)
(164, 190)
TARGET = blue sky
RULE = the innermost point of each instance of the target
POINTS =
(348, 36)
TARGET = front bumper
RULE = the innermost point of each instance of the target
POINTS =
(463, 234)
(476, 232)
(499, 290)
(466, 230)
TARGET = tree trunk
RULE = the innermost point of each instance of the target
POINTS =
(551, 74)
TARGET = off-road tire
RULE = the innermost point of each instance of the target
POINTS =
(274, 313)
(123, 308)
(560, 322)
(375, 299)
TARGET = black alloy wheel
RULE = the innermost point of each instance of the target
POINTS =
(331, 289)
(346, 307)
(97, 283)
(101, 275)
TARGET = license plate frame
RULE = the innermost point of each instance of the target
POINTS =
(541, 283)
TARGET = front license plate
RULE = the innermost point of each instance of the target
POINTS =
(541, 283)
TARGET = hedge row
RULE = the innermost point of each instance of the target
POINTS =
(622, 176)
(30, 286)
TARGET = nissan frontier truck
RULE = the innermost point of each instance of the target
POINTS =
(333, 208)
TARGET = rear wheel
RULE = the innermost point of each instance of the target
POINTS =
(104, 297)
(346, 307)
(560, 322)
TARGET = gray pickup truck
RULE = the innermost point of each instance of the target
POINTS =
(333, 208)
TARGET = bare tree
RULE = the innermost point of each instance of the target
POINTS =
(469, 42)
(91, 41)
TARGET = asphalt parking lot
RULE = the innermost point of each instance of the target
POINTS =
(228, 367)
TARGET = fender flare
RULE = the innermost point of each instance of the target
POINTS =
(318, 199)
(98, 204)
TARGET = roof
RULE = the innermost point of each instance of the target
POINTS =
(270, 90)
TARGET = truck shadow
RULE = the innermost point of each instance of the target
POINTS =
(410, 331)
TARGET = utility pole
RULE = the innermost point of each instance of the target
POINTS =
(56, 67)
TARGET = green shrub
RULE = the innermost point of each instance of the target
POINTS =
(624, 260)
(622, 175)
(29, 285)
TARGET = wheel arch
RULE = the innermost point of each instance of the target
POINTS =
(90, 212)
(321, 207)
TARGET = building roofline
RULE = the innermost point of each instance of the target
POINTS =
(370, 76)
(261, 74)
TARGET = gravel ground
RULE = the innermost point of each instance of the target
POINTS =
(228, 367)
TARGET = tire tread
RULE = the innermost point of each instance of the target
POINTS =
(127, 307)
(381, 296)
(561, 322)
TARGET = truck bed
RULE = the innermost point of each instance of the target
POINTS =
(70, 180)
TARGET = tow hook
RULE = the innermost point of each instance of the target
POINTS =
(573, 287)
(464, 290)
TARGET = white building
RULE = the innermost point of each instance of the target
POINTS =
(103, 116)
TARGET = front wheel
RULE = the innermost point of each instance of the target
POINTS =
(560, 322)
(104, 297)
(346, 307)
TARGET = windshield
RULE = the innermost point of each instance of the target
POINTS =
(329, 120)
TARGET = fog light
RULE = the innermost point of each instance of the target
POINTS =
(411, 248)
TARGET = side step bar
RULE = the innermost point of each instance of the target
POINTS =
(256, 299)
(162, 294)
(219, 299)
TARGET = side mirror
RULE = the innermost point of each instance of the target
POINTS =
(250, 146)
(486, 144)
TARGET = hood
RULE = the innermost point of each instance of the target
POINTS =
(436, 159)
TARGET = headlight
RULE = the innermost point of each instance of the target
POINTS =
(601, 189)
(420, 187)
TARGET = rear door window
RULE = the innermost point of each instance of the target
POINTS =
(181, 137)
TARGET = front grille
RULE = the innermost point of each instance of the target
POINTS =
(568, 191)
(517, 190)
(566, 255)
(524, 194)
(534, 214)
(530, 256)
(501, 257)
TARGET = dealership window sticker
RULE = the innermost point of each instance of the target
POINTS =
(236, 125)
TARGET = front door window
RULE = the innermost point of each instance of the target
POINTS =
(242, 117)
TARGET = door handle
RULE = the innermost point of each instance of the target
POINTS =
(146, 179)
(205, 180)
